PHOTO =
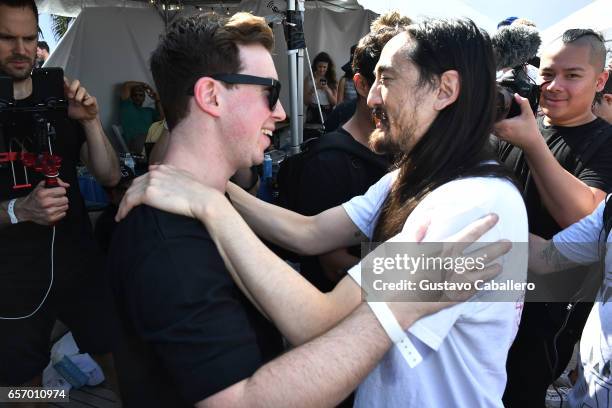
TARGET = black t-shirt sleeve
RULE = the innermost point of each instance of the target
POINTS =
(325, 182)
(187, 308)
(598, 171)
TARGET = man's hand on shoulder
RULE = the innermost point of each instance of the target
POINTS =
(44, 206)
(81, 105)
(521, 131)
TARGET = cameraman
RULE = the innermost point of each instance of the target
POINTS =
(35, 258)
(564, 163)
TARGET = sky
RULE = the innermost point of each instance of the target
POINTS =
(543, 13)
(45, 26)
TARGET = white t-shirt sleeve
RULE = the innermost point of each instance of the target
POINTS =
(364, 210)
(580, 241)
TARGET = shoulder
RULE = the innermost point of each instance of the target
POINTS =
(455, 204)
(146, 228)
(153, 252)
(477, 190)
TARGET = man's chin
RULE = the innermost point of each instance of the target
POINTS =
(382, 143)
(17, 75)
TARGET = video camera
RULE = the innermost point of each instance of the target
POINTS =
(513, 47)
(48, 103)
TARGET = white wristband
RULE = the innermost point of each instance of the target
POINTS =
(11, 211)
(396, 333)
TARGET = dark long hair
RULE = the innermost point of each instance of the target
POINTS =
(457, 142)
(330, 74)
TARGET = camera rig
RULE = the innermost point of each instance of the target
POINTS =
(48, 104)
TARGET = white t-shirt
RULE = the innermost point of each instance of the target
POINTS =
(580, 243)
(464, 347)
(323, 98)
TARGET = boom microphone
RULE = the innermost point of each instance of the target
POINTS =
(514, 45)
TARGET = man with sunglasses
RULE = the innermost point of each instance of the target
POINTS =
(189, 331)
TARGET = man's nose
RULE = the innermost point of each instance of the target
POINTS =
(552, 85)
(374, 97)
(19, 47)
(279, 113)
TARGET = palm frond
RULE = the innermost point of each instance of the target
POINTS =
(59, 25)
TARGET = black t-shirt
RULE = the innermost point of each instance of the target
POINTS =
(328, 179)
(25, 250)
(173, 289)
(569, 145)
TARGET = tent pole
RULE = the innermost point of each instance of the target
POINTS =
(300, 83)
(293, 94)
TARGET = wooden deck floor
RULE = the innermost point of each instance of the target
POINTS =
(88, 397)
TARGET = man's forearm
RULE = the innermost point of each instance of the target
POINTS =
(545, 258)
(274, 224)
(280, 291)
(303, 235)
(320, 373)
(567, 198)
(99, 155)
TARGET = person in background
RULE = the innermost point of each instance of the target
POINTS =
(581, 244)
(332, 177)
(325, 86)
(47, 241)
(602, 106)
(563, 162)
(157, 132)
(343, 111)
(346, 86)
(42, 53)
(135, 118)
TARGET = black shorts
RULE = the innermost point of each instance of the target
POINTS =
(85, 306)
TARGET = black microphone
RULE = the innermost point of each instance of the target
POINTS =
(514, 45)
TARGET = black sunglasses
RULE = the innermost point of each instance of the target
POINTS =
(272, 84)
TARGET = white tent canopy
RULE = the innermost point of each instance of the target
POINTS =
(412, 8)
(106, 46)
(597, 15)
(111, 40)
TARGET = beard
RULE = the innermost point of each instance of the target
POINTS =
(382, 140)
(17, 74)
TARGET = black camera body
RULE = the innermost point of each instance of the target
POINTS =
(47, 93)
(515, 81)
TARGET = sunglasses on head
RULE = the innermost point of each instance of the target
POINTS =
(272, 84)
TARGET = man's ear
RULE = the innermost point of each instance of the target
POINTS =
(206, 93)
(448, 89)
(608, 98)
(602, 78)
(361, 85)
